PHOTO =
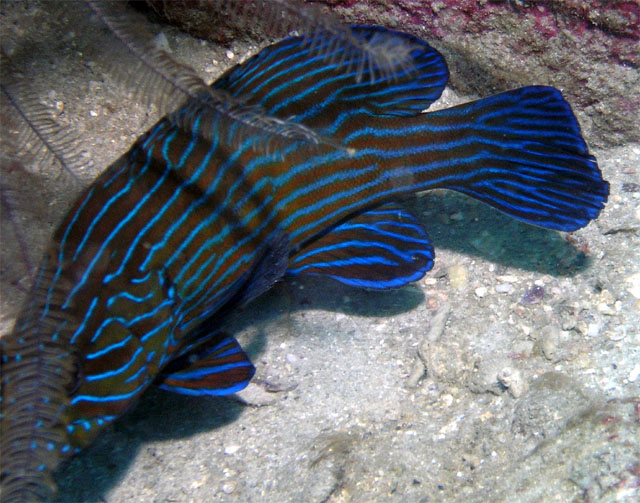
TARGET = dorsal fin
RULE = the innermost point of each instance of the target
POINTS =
(288, 80)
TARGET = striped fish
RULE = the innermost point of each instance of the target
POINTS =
(194, 221)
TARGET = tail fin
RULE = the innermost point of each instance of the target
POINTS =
(522, 152)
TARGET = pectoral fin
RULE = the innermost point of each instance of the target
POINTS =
(219, 367)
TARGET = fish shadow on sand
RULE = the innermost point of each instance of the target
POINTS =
(160, 415)
(468, 227)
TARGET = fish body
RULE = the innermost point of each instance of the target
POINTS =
(191, 223)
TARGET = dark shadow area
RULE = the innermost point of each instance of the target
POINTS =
(469, 227)
(316, 292)
(158, 416)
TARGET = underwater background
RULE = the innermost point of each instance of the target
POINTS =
(510, 372)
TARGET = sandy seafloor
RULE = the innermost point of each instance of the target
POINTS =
(520, 402)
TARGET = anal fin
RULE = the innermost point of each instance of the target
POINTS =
(381, 248)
